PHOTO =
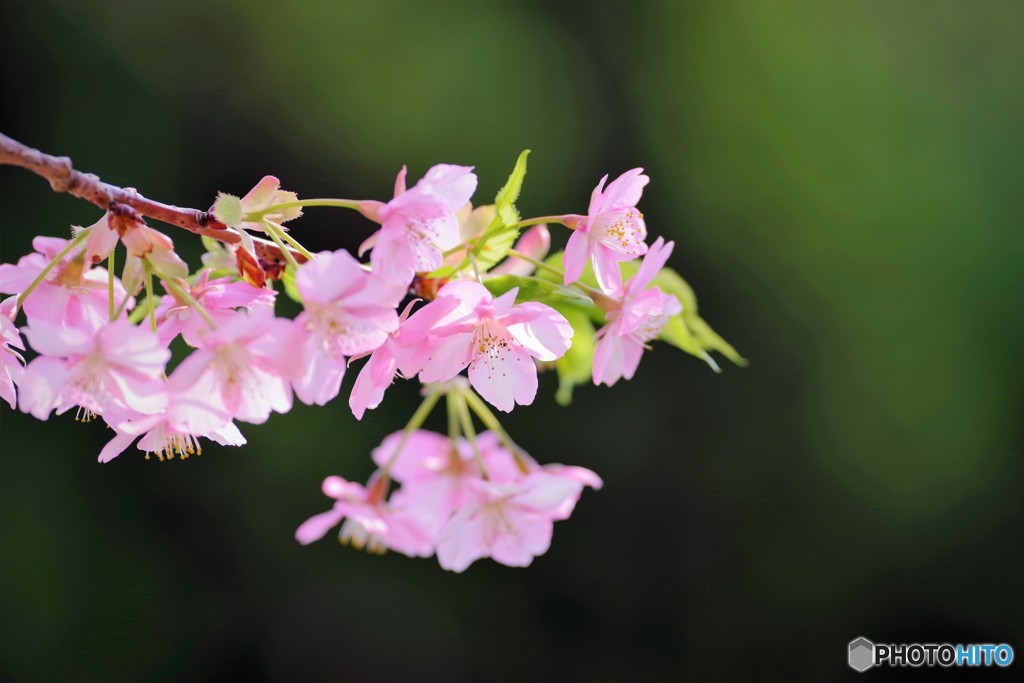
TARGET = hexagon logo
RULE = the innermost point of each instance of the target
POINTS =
(861, 654)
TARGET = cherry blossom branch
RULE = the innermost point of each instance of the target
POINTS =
(63, 177)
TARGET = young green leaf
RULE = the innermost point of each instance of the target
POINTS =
(576, 366)
(288, 280)
(535, 289)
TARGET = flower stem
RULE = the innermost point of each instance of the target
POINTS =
(275, 234)
(183, 294)
(453, 418)
(538, 221)
(341, 203)
(149, 297)
(592, 292)
(295, 243)
(468, 430)
(415, 422)
(491, 422)
(78, 239)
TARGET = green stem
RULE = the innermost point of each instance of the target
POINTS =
(78, 239)
(149, 297)
(453, 418)
(490, 421)
(298, 247)
(538, 221)
(298, 204)
(182, 294)
(415, 422)
(469, 431)
(274, 233)
(592, 292)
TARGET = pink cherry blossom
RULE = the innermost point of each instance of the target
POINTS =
(511, 522)
(612, 231)
(418, 225)
(161, 438)
(119, 366)
(265, 194)
(371, 522)
(101, 240)
(11, 362)
(435, 473)
(534, 243)
(497, 338)
(404, 351)
(146, 245)
(71, 294)
(640, 317)
(220, 297)
(239, 371)
(348, 312)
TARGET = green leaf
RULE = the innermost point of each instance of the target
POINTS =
(686, 331)
(505, 201)
(493, 245)
(536, 289)
(576, 366)
(288, 280)
(228, 209)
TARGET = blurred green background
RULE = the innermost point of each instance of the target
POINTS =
(843, 180)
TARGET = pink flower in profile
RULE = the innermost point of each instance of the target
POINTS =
(119, 367)
(220, 297)
(239, 372)
(101, 240)
(612, 231)
(146, 245)
(640, 318)
(11, 362)
(71, 294)
(162, 438)
(265, 194)
(511, 522)
(418, 225)
(349, 312)
(371, 522)
(402, 352)
(497, 338)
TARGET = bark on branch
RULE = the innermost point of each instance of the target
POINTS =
(63, 177)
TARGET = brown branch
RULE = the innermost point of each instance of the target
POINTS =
(64, 178)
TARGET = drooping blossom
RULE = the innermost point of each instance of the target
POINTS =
(534, 243)
(418, 225)
(348, 312)
(220, 297)
(404, 351)
(11, 362)
(118, 366)
(160, 436)
(240, 371)
(511, 522)
(435, 472)
(101, 240)
(612, 231)
(146, 245)
(497, 338)
(72, 294)
(371, 521)
(640, 318)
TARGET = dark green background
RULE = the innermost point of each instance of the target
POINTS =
(843, 180)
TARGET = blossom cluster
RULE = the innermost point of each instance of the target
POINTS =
(489, 300)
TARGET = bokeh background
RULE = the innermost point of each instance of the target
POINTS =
(843, 180)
